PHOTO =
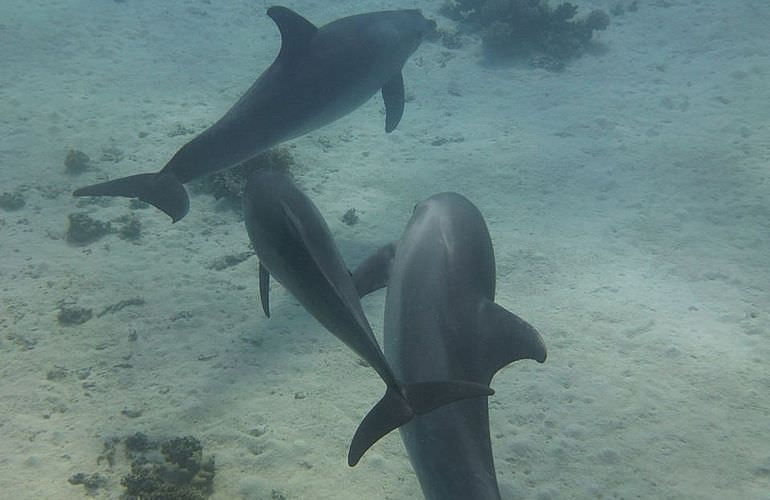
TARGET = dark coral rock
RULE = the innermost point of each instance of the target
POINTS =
(92, 482)
(76, 162)
(84, 229)
(350, 217)
(131, 412)
(153, 481)
(450, 39)
(148, 480)
(229, 184)
(12, 201)
(57, 373)
(130, 227)
(563, 12)
(203, 480)
(186, 452)
(73, 315)
(108, 451)
(138, 442)
(597, 20)
(523, 28)
(461, 10)
(526, 17)
(184, 473)
(498, 36)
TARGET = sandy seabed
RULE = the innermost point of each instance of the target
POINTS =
(628, 198)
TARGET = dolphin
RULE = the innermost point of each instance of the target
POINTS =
(441, 322)
(320, 75)
(294, 245)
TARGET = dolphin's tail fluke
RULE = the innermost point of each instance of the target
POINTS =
(391, 412)
(400, 405)
(161, 190)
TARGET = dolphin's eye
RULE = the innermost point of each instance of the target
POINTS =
(415, 208)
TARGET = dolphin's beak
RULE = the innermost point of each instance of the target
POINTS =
(430, 30)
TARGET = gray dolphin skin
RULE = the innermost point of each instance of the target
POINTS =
(320, 75)
(441, 322)
(294, 245)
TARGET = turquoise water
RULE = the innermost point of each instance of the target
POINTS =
(626, 197)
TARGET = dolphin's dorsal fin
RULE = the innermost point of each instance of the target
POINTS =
(393, 95)
(264, 289)
(507, 338)
(296, 31)
(374, 272)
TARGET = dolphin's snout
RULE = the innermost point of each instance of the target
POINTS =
(430, 31)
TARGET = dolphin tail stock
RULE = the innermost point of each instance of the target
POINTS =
(401, 404)
(164, 191)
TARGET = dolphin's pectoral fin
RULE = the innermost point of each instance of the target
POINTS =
(264, 289)
(393, 95)
(508, 338)
(296, 31)
(373, 273)
(161, 190)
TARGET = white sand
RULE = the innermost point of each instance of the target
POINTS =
(628, 199)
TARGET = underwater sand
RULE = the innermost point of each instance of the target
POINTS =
(628, 199)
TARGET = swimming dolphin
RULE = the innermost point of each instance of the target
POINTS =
(320, 75)
(294, 245)
(441, 322)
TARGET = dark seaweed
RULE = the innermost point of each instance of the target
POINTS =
(76, 162)
(12, 201)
